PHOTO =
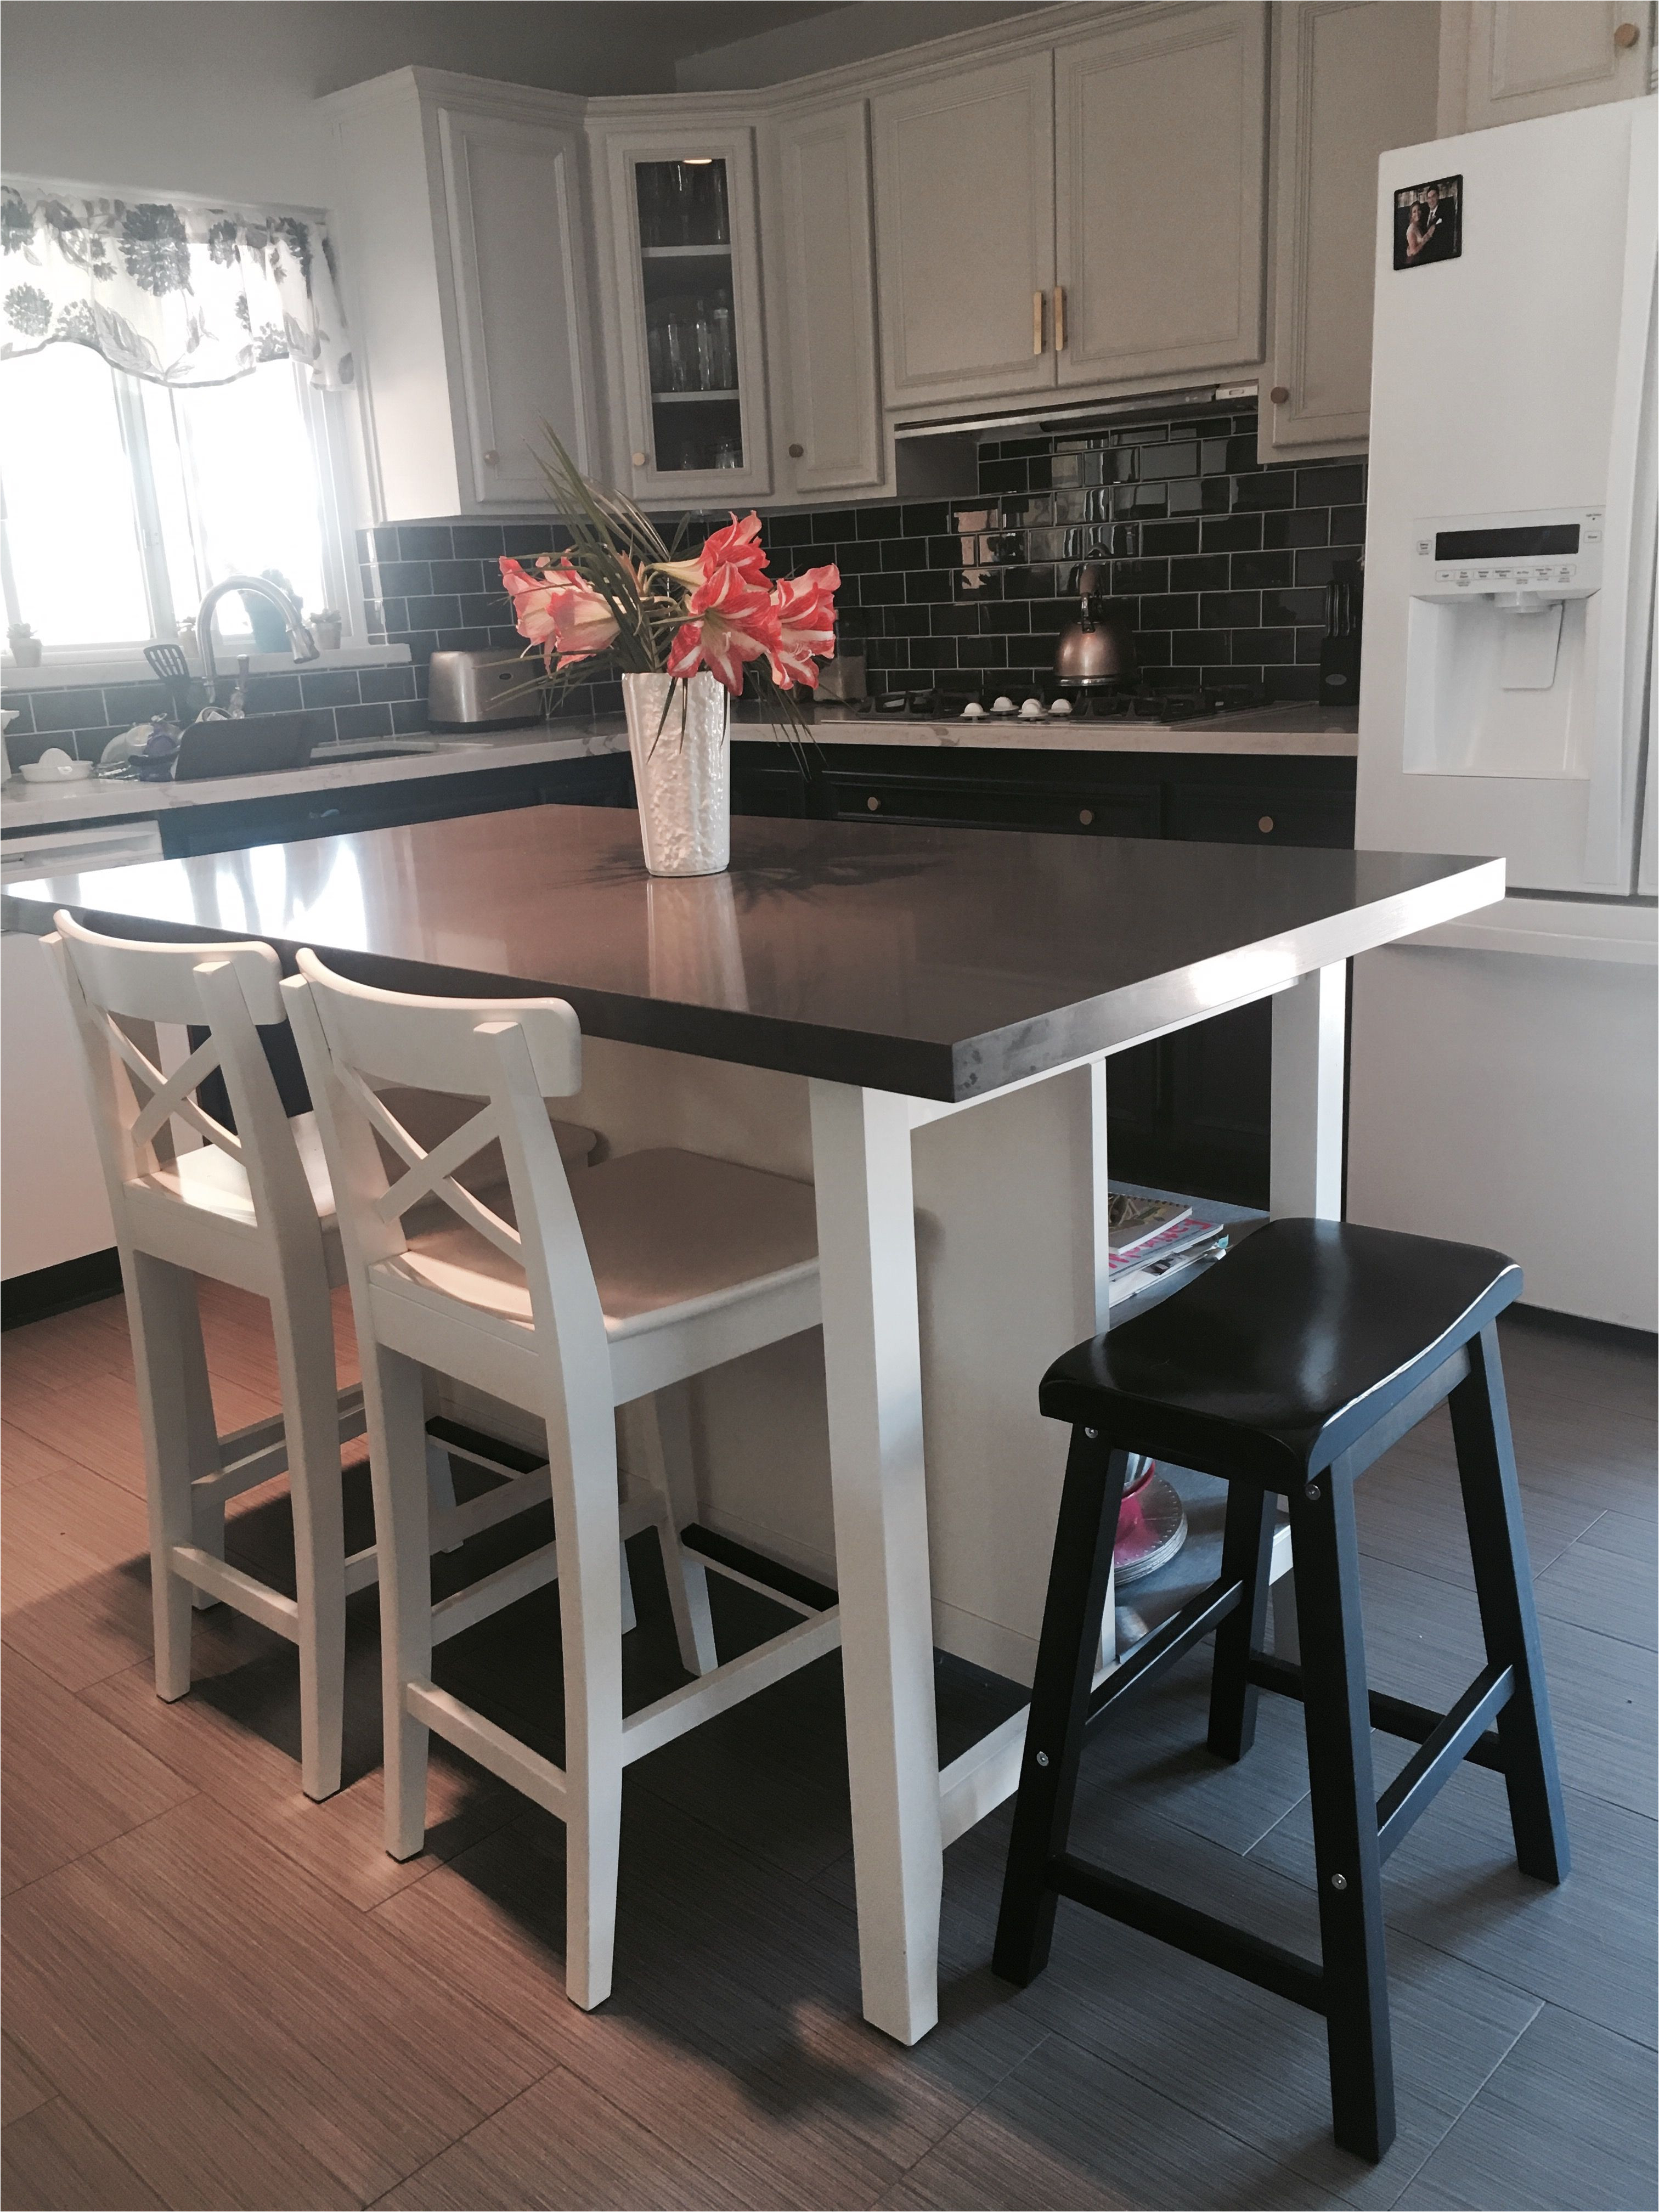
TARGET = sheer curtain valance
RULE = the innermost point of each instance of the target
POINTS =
(173, 291)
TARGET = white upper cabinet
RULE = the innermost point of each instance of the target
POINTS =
(827, 399)
(1159, 188)
(513, 193)
(1352, 79)
(464, 261)
(688, 396)
(1505, 61)
(965, 230)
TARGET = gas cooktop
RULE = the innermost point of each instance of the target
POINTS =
(1113, 704)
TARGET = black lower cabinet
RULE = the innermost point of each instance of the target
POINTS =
(597, 780)
(1190, 1112)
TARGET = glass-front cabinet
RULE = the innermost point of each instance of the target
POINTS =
(684, 219)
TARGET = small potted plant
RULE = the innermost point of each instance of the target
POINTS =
(25, 646)
(327, 628)
(682, 630)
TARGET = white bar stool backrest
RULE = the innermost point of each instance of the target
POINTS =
(515, 1054)
(231, 991)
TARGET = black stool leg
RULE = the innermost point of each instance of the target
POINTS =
(1509, 1618)
(1066, 1651)
(1337, 1710)
(1247, 1545)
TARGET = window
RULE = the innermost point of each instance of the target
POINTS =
(121, 501)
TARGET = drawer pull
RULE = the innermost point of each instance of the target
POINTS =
(1036, 323)
(1625, 36)
(1266, 824)
(874, 805)
(1280, 394)
(1086, 815)
(796, 452)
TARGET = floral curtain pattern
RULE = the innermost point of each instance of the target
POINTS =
(176, 293)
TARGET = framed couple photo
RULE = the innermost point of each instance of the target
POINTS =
(1428, 222)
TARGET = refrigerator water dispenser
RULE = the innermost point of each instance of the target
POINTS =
(1497, 677)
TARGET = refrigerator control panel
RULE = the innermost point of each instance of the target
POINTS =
(1552, 553)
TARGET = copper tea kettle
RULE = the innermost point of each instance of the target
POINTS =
(1099, 648)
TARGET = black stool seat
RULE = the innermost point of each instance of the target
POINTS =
(1290, 1367)
(1286, 1352)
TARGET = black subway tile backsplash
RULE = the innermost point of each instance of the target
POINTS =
(1225, 558)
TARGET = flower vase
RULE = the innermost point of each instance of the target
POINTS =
(678, 735)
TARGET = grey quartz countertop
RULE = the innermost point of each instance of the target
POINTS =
(943, 963)
(29, 806)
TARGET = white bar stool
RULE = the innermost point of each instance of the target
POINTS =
(253, 1208)
(568, 1298)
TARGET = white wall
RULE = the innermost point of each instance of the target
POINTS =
(214, 98)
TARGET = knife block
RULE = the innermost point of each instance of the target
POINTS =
(1338, 670)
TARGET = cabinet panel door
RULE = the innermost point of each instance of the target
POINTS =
(964, 230)
(1539, 58)
(1159, 182)
(1352, 80)
(671, 425)
(828, 279)
(521, 298)
(1212, 815)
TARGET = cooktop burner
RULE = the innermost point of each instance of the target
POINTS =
(1114, 704)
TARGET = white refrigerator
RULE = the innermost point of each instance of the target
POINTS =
(1502, 1070)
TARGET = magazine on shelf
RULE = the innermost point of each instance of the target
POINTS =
(1178, 1246)
(1134, 1222)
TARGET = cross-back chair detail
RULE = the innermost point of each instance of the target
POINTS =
(251, 1208)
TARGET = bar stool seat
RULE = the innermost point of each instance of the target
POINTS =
(1288, 1369)
(662, 1228)
(1310, 1334)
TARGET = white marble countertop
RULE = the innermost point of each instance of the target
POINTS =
(1315, 731)
(1322, 733)
(28, 806)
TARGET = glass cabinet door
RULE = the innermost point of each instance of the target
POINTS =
(687, 283)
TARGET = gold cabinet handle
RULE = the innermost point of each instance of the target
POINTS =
(638, 459)
(796, 452)
(1036, 322)
(492, 459)
(1280, 394)
(1060, 318)
(1626, 35)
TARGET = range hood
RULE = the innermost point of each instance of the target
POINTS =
(940, 460)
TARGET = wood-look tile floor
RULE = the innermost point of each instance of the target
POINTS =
(217, 1994)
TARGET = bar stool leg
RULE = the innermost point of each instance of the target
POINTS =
(1509, 1617)
(1337, 1710)
(1247, 1545)
(397, 1460)
(1077, 1580)
(304, 1335)
(180, 1439)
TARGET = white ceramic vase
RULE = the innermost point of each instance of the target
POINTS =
(680, 736)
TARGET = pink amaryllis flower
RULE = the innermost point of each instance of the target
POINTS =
(737, 546)
(560, 611)
(805, 609)
(731, 621)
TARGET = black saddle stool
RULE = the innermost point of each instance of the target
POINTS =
(1287, 1370)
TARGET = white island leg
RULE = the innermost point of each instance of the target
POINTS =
(1305, 1163)
(872, 1364)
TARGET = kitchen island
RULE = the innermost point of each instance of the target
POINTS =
(921, 1020)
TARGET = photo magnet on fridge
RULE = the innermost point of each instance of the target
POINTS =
(1428, 222)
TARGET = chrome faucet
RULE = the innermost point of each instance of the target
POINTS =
(305, 645)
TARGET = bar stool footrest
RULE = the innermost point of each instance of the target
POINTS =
(1200, 1935)
(1393, 1715)
(1166, 1642)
